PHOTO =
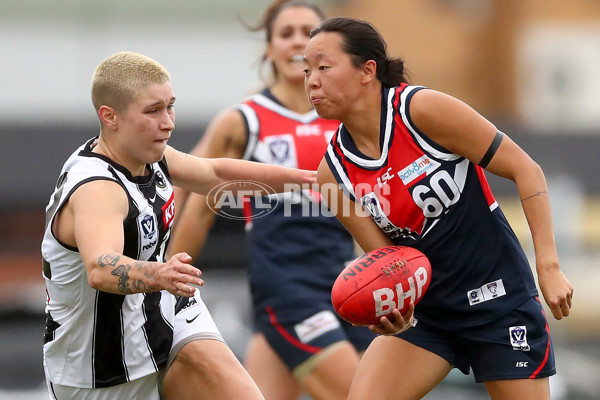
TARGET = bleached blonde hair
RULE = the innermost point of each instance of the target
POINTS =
(118, 77)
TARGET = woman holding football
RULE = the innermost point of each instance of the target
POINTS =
(414, 159)
(300, 344)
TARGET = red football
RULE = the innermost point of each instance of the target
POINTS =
(375, 283)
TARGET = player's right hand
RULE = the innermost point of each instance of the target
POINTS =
(399, 323)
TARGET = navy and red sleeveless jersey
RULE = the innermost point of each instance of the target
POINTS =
(298, 248)
(423, 196)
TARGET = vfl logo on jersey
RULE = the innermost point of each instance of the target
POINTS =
(148, 226)
(417, 168)
(280, 150)
(148, 238)
(518, 338)
(168, 211)
(371, 203)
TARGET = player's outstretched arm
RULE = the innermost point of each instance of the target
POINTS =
(513, 163)
(460, 129)
(200, 175)
(92, 221)
(224, 137)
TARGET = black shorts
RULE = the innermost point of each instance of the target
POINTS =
(297, 333)
(516, 346)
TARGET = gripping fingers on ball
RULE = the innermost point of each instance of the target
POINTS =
(385, 327)
(401, 322)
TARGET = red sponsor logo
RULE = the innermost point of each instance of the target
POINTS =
(168, 211)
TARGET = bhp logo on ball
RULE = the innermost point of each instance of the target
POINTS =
(229, 196)
(384, 298)
(379, 281)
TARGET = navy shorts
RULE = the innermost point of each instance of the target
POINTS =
(297, 333)
(516, 346)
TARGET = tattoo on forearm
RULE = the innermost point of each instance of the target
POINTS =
(108, 259)
(146, 269)
(122, 272)
(534, 195)
(140, 286)
(149, 273)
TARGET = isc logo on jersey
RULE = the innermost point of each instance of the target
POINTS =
(308, 130)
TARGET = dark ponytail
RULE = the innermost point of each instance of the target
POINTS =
(362, 41)
(392, 72)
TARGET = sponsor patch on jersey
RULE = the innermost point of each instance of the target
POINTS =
(518, 338)
(488, 291)
(417, 168)
(316, 325)
(168, 211)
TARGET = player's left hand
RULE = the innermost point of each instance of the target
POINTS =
(400, 322)
(557, 291)
(178, 277)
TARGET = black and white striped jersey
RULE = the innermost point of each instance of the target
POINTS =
(97, 339)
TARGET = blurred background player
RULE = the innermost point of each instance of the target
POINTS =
(295, 252)
(413, 158)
